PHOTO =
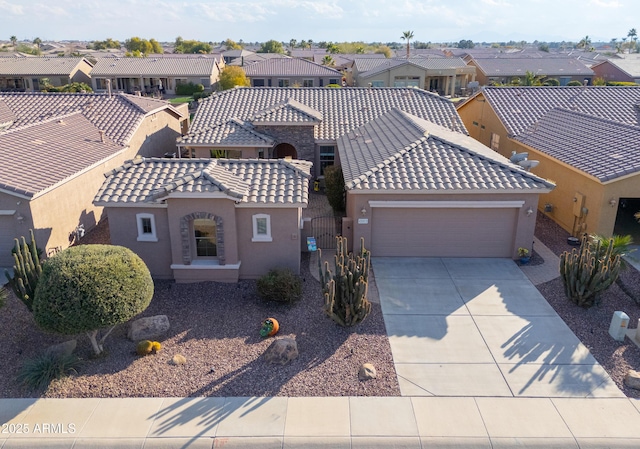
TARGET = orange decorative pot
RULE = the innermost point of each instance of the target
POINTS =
(270, 327)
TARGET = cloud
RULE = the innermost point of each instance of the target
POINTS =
(606, 3)
(11, 8)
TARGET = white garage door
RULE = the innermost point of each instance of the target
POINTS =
(7, 234)
(443, 232)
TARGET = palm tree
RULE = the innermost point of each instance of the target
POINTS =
(328, 61)
(633, 35)
(292, 43)
(37, 41)
(585, 43)
(407, 36)
(14, 41)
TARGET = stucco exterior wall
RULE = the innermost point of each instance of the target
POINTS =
(124, 232)
(610, 72)
(282, 252)
(15, 221)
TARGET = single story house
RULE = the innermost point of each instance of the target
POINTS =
(415, 188)
(208, 219)
(55, 148)
(504, 70)
(290, 72)
(25, 74)
(619, 69)
(445, 76)
(586, 139)
(153, 75)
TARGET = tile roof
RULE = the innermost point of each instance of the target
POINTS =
(520, 107)
(399, 151)
(154, 67)
(291, 111)
(603, 148)
(250, 181)
(38, 156)
(40, 66)
(118, 116)
(289, 67)
(7, 117)
(230, 134)
(416, 61)
(343, 110)
(540, 66)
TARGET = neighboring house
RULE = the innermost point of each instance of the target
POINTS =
(415, 188)
(342, 61)
(25, 74)
(256, 57)
(626, 70)
(586, 139)
(208, 219)
(230, 56)
(55, 149)
(446, 76)
(302, 123)
(291, 72)
(153, 75)
(503, 70)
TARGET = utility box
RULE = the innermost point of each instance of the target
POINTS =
(578, 204)
(619, 324)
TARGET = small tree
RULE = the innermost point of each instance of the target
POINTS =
(91, 287)
(232, 76)
(334, 186)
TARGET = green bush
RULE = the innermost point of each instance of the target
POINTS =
(280, 285)
(38, 373)
(334, 187)
(189, 89)
(334, 86)
(621, 83)
(551, 82)
(198, 95)
(89, 287)
(574, 83)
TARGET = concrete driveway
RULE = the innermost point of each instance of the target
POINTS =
(478, 327)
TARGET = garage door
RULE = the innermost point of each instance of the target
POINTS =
(7, 234)
(443, 232)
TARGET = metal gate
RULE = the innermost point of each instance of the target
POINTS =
(325, 229)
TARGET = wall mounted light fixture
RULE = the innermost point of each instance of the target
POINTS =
(612, 202)
(529, 212)
(363, 211)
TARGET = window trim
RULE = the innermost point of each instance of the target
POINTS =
(261, 237)
(146, 236)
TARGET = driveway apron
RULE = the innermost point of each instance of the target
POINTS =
(478, 327)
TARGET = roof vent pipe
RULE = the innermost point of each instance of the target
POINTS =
(101, 135)
(109, 87)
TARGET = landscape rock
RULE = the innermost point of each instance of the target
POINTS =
(64, 349)
(148, 328)
(178, 360)
(367, 371)
(281, 351)
(632, 379)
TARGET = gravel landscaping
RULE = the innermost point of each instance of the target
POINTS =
(216, 327)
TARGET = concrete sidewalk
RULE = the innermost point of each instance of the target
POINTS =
(327, 422)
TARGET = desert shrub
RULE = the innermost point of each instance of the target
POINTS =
(90, 287)
(280, 285)
(3, 297)
(551, 82)
(38, 373)
(334, 86)
(574, 83)
(155, 346)
(189, 89)
(621, 83)
(334, 187)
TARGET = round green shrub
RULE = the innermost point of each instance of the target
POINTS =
(89, 287)
(280, 285)
(144, 347)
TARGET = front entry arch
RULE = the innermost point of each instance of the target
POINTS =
(283, 150)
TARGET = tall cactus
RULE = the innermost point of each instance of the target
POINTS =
(345, 289)
(588, 271)
(26, 270)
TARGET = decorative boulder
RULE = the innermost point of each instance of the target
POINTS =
(367, 371)
(632, 380)
(281, 351)
(148, 328)
(64, 349)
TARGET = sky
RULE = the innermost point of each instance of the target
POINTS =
(320, 20)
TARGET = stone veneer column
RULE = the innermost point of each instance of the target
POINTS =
(185, 226)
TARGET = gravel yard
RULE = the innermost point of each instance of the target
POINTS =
(216, 327)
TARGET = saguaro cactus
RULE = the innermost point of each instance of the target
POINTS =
(588, 271)
(26, 270)
(345, 289)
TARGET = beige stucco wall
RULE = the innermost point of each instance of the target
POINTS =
(12, 225)
(247, 152)
(525, 223)
(282, 252)
(123, 230)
